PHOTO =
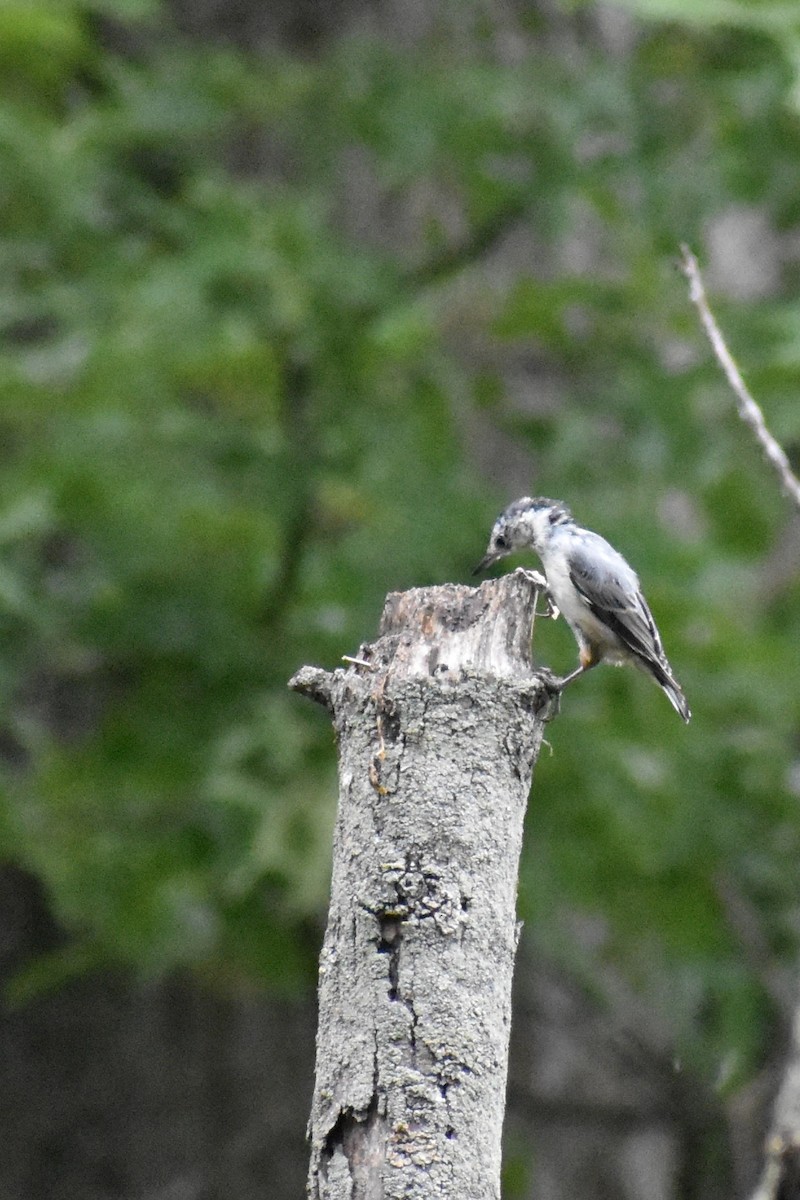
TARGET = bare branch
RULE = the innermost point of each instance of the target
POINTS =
(749, 411)
(782, 1167)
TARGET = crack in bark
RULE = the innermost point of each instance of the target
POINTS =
(384, 767)
(391, 937)
(391, 941)
(445, 1071)
(361, 1138)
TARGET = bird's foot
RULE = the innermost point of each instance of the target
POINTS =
(552, 687)
(562, 683)
(538, 581)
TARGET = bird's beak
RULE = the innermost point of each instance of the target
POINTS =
(487, 561)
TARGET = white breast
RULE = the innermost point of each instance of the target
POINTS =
(580, 618)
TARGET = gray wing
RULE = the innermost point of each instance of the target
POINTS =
(611, 589)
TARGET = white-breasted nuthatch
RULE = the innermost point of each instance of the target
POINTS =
(593, 586)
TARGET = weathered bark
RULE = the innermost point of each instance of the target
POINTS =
(437, 736)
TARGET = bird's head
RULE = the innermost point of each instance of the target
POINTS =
(525, 524)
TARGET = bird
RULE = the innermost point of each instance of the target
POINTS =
(597, 591)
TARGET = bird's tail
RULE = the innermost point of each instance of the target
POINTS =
(674, 693)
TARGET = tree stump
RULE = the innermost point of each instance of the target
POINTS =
(439, 724)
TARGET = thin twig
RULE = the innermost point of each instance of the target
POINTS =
(782, 1149)
(749, 411)
(359, 662)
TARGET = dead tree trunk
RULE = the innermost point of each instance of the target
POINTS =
(439, 724)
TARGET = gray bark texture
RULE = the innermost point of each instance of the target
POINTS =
(437, 738)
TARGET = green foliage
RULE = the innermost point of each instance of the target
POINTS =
(229, 427)
(204, 447)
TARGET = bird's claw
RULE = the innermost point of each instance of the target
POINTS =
(534, 577)
(538, 581)
(552, 685)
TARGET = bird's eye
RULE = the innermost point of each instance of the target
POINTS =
(500, 542)
(553, 516)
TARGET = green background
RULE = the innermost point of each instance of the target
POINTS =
(283, 331)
